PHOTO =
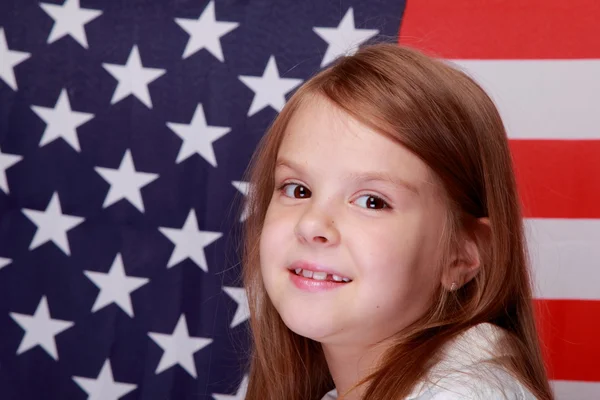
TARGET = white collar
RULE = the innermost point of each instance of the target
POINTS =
(478, 343)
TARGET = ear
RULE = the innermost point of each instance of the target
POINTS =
(466, 263)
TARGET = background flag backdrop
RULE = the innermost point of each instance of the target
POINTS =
(540, 60)
(125, 127)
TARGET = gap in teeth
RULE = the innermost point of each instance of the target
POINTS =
(320, 276)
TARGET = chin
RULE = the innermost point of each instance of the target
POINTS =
(308, 324)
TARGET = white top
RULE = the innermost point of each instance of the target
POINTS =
(463, 373)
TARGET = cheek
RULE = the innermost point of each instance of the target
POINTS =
(392, 250)
(274, 241)
(273, 234)
(396, 264)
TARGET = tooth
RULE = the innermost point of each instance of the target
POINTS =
(346, 279)
(306, 273)
(320, 276)
(337, 278)
(298, 270)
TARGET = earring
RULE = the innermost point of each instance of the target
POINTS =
(453, 287)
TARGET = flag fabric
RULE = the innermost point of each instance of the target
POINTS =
(125, 127)
(540, 62)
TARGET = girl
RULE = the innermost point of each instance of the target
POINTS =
(384, 254)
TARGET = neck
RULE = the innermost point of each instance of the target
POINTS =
(348, 364)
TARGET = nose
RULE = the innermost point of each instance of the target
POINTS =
(317, 227)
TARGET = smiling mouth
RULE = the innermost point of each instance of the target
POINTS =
(320, 276)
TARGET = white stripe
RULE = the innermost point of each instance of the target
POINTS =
(571, 390)
(565, 257)
(542, 99)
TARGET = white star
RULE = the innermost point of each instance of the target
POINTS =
(344, 39)
(240, 395)
(179, 347)
(269, 89)
(69, 19)
(8, 60)
(189, 242)
(125, 182)
(52, 225)
(115, 286)
(205, 32)
(104, 387)
(61, 121)
(198, 137)
(243, 310)
(7, 161)
(244, 189)
(4, 262)
(133, 78)
(40, 329)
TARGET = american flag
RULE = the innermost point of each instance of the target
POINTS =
(125, 129)
(126, 126)
(540, 62)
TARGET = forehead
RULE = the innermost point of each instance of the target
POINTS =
(323, 137)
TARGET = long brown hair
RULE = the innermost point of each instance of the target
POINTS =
(445, 118)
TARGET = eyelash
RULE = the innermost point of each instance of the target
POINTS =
(387, 206)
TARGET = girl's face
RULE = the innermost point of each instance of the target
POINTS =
(356, 204)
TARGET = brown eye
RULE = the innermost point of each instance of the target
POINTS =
(295, 191)
(373, 202)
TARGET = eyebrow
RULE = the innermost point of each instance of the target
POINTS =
(358, 176)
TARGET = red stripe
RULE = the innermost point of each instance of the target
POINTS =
(558, 178)
(570, 336)
(503, 29)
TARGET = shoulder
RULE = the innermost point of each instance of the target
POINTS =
(468, 370)
(481, 382)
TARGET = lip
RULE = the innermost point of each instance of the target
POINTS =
(312, 285)
(315, 268)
